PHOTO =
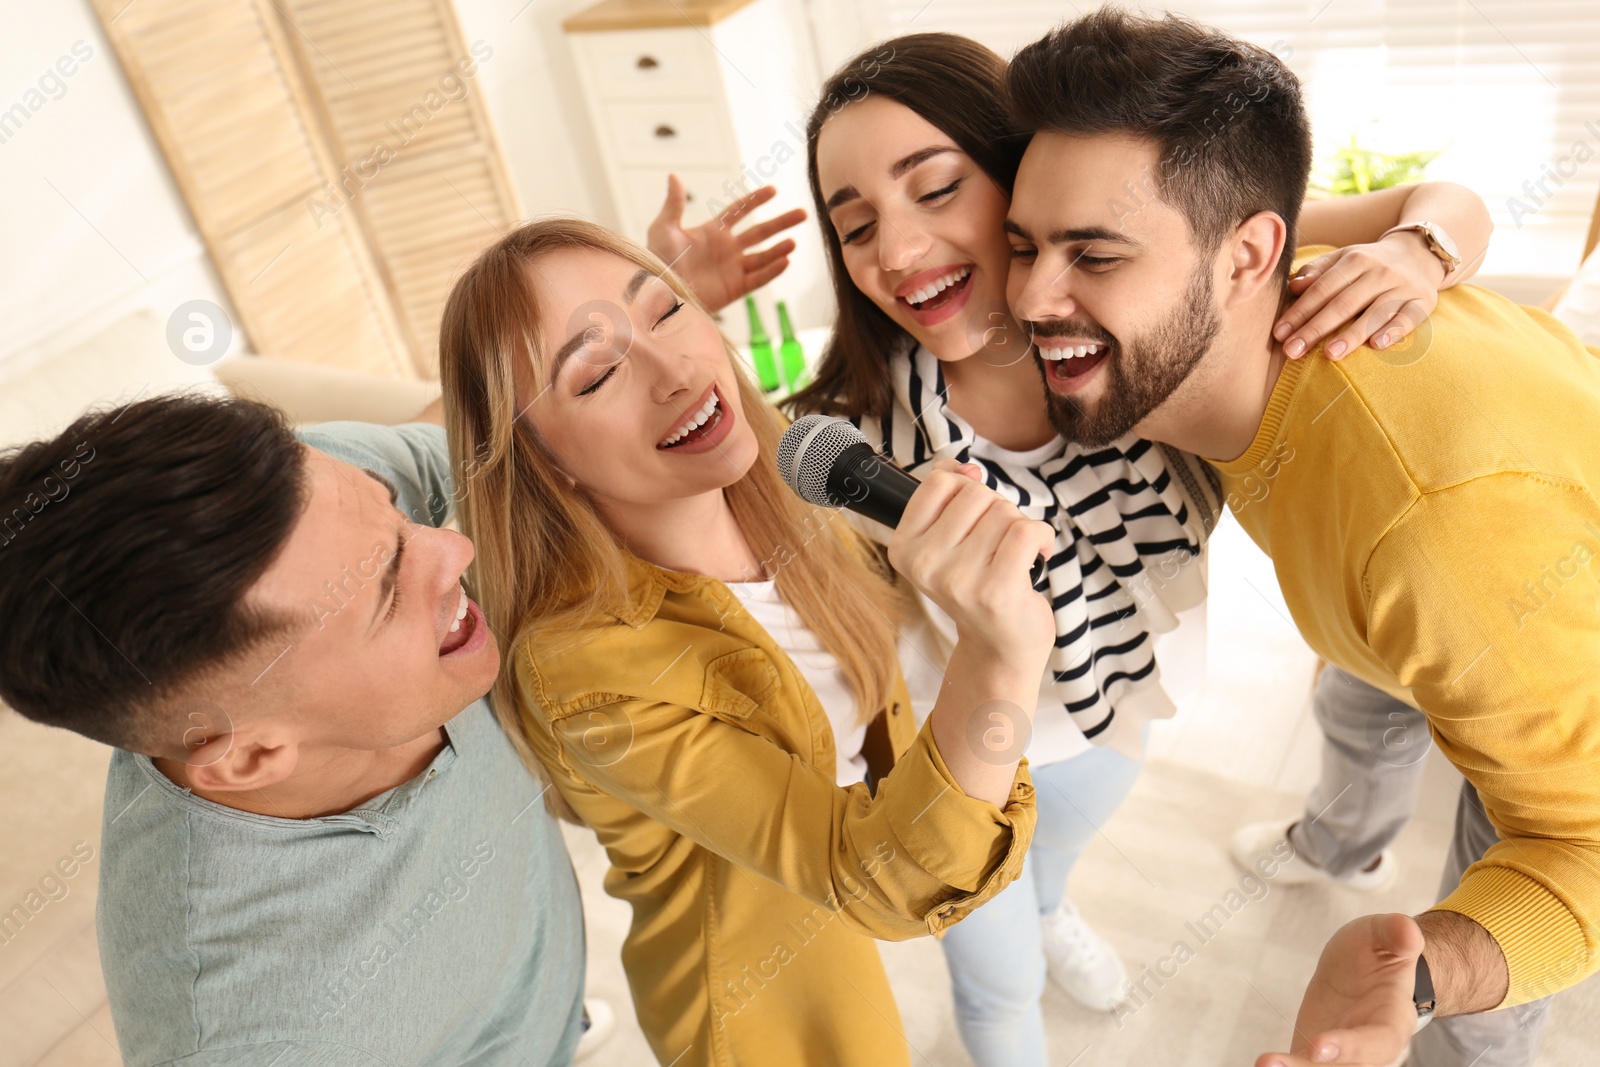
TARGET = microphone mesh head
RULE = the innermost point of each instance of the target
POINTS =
(808, 450)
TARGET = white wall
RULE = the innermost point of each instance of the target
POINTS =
(94, 227)
(536, 105)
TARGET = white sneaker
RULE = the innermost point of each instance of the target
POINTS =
(1261, 846)
(1080, 960)
(598, 1022)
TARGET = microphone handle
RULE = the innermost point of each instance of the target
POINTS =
(870, 485)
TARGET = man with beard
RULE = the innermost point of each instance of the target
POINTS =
(1430, 508)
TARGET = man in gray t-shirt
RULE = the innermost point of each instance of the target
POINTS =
(319, 846)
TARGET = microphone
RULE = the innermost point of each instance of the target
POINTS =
(828, 462)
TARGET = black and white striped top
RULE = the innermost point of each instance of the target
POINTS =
(1131, 520)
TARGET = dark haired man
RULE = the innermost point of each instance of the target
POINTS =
(319, 846)
(1407, 497)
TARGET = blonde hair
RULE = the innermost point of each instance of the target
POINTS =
(546, 560)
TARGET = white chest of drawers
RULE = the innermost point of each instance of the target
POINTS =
(716, 91)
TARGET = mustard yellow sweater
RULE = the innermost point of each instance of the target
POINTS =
(1432, 514)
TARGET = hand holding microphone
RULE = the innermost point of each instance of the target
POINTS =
(971, 551)
(828, 462)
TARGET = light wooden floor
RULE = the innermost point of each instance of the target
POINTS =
(52, 999)
(1242, 748)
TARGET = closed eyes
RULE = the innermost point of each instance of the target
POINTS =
(677, 306)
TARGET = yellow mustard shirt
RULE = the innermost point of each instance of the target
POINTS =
(693, 747)
(1431, 511)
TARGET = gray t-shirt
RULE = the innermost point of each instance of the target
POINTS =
(437, 924)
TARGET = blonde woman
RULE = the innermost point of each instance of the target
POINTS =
(705, 667)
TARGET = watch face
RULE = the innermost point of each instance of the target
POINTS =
(1442, 241)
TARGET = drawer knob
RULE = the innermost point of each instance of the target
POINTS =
(648, 62)
(664, 131)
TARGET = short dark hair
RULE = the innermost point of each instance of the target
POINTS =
(128, 543)
(958, 86)
(1227, 117)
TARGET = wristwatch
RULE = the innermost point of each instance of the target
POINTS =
(1422, 993)
(1439, 243)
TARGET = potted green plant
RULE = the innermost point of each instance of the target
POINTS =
(1353, 169)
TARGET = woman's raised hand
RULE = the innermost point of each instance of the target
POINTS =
(711, 258)
(971, 552)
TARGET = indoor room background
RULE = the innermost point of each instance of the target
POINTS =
(274, 196)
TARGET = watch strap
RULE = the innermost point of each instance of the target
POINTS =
(1431, 233)
(1422, 995)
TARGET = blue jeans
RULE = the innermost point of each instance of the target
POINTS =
(997, 965)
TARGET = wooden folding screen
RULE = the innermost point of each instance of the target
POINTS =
(337, 157)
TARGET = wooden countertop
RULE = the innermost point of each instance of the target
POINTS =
(650, 14)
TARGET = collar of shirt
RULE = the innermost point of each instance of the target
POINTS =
(379, 816)
(646, 584)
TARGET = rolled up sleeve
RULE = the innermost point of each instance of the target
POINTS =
(908, 861)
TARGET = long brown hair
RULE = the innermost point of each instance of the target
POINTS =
(546, 560)
(956, 84)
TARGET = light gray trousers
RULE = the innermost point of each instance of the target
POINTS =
(1372, 759)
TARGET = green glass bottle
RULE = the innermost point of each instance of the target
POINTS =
(793, 356)
(761, 349)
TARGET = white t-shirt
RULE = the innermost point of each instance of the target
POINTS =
(921, 662)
